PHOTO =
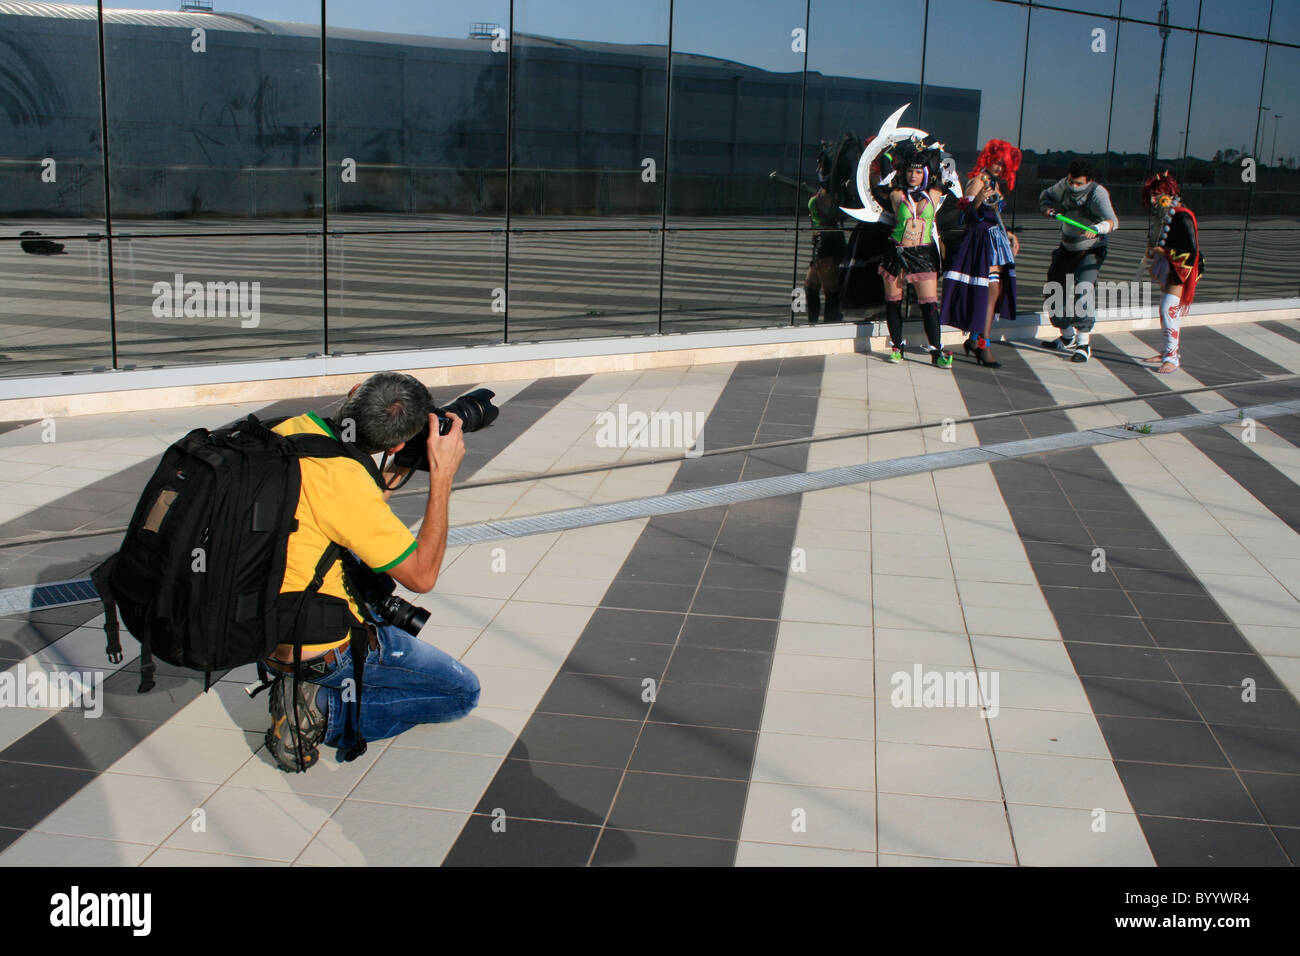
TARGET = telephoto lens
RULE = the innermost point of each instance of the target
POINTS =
(475, 410)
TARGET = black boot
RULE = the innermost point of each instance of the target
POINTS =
(894, 320)
(930, 319)
(814, 301)
(833, 313)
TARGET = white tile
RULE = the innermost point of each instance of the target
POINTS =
(820, 715)
(189, 752)
(945, 828)
(776, 854)
(937, 771)
(814, 762)
(1050, 780)
(1048, 732)
(809, 816)
(374, 834)
(490, 731)
(1053, 836)
(110, 807)
(435, 779)
(821, 675)
(826, 640)
(52, 849)
(267, 824)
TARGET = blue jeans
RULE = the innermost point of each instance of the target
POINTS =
(406, 682)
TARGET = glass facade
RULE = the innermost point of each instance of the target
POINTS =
(289, 178)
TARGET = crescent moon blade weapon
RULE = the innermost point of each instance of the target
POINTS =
(890, 133)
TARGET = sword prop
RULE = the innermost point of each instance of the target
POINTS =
(1078, 224)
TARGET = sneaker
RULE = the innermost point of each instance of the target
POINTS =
(284, 737)
(1062, 344)
(896, 356)
(1082, 354)
(941, 358)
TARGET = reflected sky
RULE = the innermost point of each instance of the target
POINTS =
(973, 44)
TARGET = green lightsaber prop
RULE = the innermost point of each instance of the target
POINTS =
(1078, 224)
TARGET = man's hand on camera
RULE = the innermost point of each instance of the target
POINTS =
(446, 452)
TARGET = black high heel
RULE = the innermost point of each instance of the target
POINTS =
(983, 355)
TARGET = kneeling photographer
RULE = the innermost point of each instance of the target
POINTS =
(404, 680)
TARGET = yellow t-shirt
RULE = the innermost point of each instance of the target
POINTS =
(339, 502)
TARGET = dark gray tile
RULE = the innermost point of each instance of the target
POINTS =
(1144, 559)
(612, 624)
(633, 848)
(522, 843)
(1207, 843)
(1136, 698)
(1109, 660)
(590, 696)
(668, 803)
(732, 602)
(1088, 601)
(1054, 533)
(1278, 796)
(589, 741)
(1215, 667)
(746, 578)
(1118, 538)
(549, 791)
(1260, 748)
(1166, 582)
(1198, 636)
(1223, 705)
(1098, 629)
(731, 633)
(1161, 741)
(639, 569)
(1200, 793)
(618, 659)
(1078, 575)
(705, 665)
(647, 596)
(1289, 838)
(709, 705)
(695, 751)
(1176, 607)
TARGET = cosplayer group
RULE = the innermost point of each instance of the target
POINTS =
(918, 222)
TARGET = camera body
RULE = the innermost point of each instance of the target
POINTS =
(376, 589)
(474, 409)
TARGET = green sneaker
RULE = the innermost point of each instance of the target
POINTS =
(941, 358)
(896, 356)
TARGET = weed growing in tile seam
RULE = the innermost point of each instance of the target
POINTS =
(921, 688)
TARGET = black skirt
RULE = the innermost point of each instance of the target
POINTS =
(910, 260)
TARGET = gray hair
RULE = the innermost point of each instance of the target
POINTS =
(389, 408)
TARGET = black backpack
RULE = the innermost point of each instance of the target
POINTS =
(198, 575)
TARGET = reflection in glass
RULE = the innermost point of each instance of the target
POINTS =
(1177, 13)
(416, 291)
(54, 314)
(572, 284)
(51, 163)
(201, 299)
(214, 118)
(1277, 190)
(1243, 18)
(1136, 117)
(737, 91)
(727, 279)
(1271, 255)
(417, 115)
(589, 87)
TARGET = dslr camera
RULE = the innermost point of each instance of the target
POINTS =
(376, 589)
(474, 409)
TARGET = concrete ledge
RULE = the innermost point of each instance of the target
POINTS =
(192, 385)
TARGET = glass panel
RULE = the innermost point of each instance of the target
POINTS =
(1243, 18)
(54, 310)
(1178, 13)
(201, 299)
(589, 82)
(1271, 254)
(214, 119)
(583, 284)
(1066, 113)
(728, 278)
(417, 114)
(1086, 6)
(1221, 247)
(1277, 190)
(737, 91)
(1286, 23)
(51, 161)
(416, 291)
(1134, 119)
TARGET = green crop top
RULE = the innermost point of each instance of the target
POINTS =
(905, 213)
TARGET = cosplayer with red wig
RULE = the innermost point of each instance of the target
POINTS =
(980, 281)
(1175, 259)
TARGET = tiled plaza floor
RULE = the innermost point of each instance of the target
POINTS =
(724, 685)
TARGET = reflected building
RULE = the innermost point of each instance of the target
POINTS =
(403, 190)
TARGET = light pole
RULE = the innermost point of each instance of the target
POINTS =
(1258, 130)
(1276, 117)
(1163, 20)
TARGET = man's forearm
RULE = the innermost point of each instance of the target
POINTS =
(432, 539)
